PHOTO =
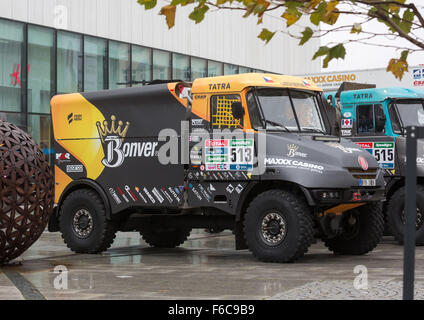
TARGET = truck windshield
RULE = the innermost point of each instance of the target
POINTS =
(290, 110)
(411, 112)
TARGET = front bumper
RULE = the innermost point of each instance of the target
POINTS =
(321, 197)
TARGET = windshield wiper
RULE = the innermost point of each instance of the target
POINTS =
(313, 130)
(277, 124)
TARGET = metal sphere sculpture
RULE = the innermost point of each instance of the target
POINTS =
(26, 192)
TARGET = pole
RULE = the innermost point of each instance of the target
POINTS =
(410, 213)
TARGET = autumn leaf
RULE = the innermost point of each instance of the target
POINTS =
(312, 4)
(292, 15)
(266, 35)
(148, 4)
(336, 52)
(398, 67)
(198, 13)
(169, 13)
(307, 34)
(322, 51)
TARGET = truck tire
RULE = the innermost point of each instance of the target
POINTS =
(83, 222)
(364, 234)
(165, 237)
(395, 215)
(278, 227)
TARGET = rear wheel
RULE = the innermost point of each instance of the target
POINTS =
(396, 215)
(278, 227)
(363, 228)
(83, 222)
(165, 237)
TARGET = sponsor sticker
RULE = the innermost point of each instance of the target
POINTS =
(239, 188)
(74, 168)
(346, 132)
(137, 189)
(230, 188)
(64, 156)
(292, 151)
(157, 195)
(363, 163)
(122, 195)
(295, 164)
(343, 148)
(347, 123)
(195, 192)
(114, 196)
(129, 191)
(146, 191)
(383, 152)
(229, 154)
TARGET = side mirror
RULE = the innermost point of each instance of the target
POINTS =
(237, 110)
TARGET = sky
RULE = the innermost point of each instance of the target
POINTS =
(360, 56)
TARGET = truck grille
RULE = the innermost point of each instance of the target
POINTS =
(361, 174)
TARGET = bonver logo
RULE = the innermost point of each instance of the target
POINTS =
(112, 139)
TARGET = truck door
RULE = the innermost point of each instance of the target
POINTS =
(222, 175)
(369, 132)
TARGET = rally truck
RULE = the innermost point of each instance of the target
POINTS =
(375, 119)
(252, 153)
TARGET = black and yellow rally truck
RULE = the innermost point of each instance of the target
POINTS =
(252, 153)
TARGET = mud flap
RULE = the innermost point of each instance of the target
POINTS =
(53, 225)
(239, 233)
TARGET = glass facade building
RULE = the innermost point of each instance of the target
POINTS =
(38, 62)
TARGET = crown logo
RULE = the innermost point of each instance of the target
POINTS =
(103, 133)
(292, 147)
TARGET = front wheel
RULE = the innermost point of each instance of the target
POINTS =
(83, 222)
(396, 215)
(363, 228)
(278, 227)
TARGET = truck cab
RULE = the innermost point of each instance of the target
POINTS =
(375, 119)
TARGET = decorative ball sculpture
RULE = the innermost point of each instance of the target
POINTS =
(26, 192)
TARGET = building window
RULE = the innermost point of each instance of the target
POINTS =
(40, 69)
(39, 127)
(161, 65)
(214, 68)
(141, 65)
(16, 118)
(119, 65)
(244, 70)
(11, 48)
(198, 68)
(230, 69)
(69, 62)
(95, 64)
(180, 67)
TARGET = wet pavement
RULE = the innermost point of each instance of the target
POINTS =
(205, 267)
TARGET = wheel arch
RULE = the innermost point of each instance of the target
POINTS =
(250, 193)
(81, 184)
